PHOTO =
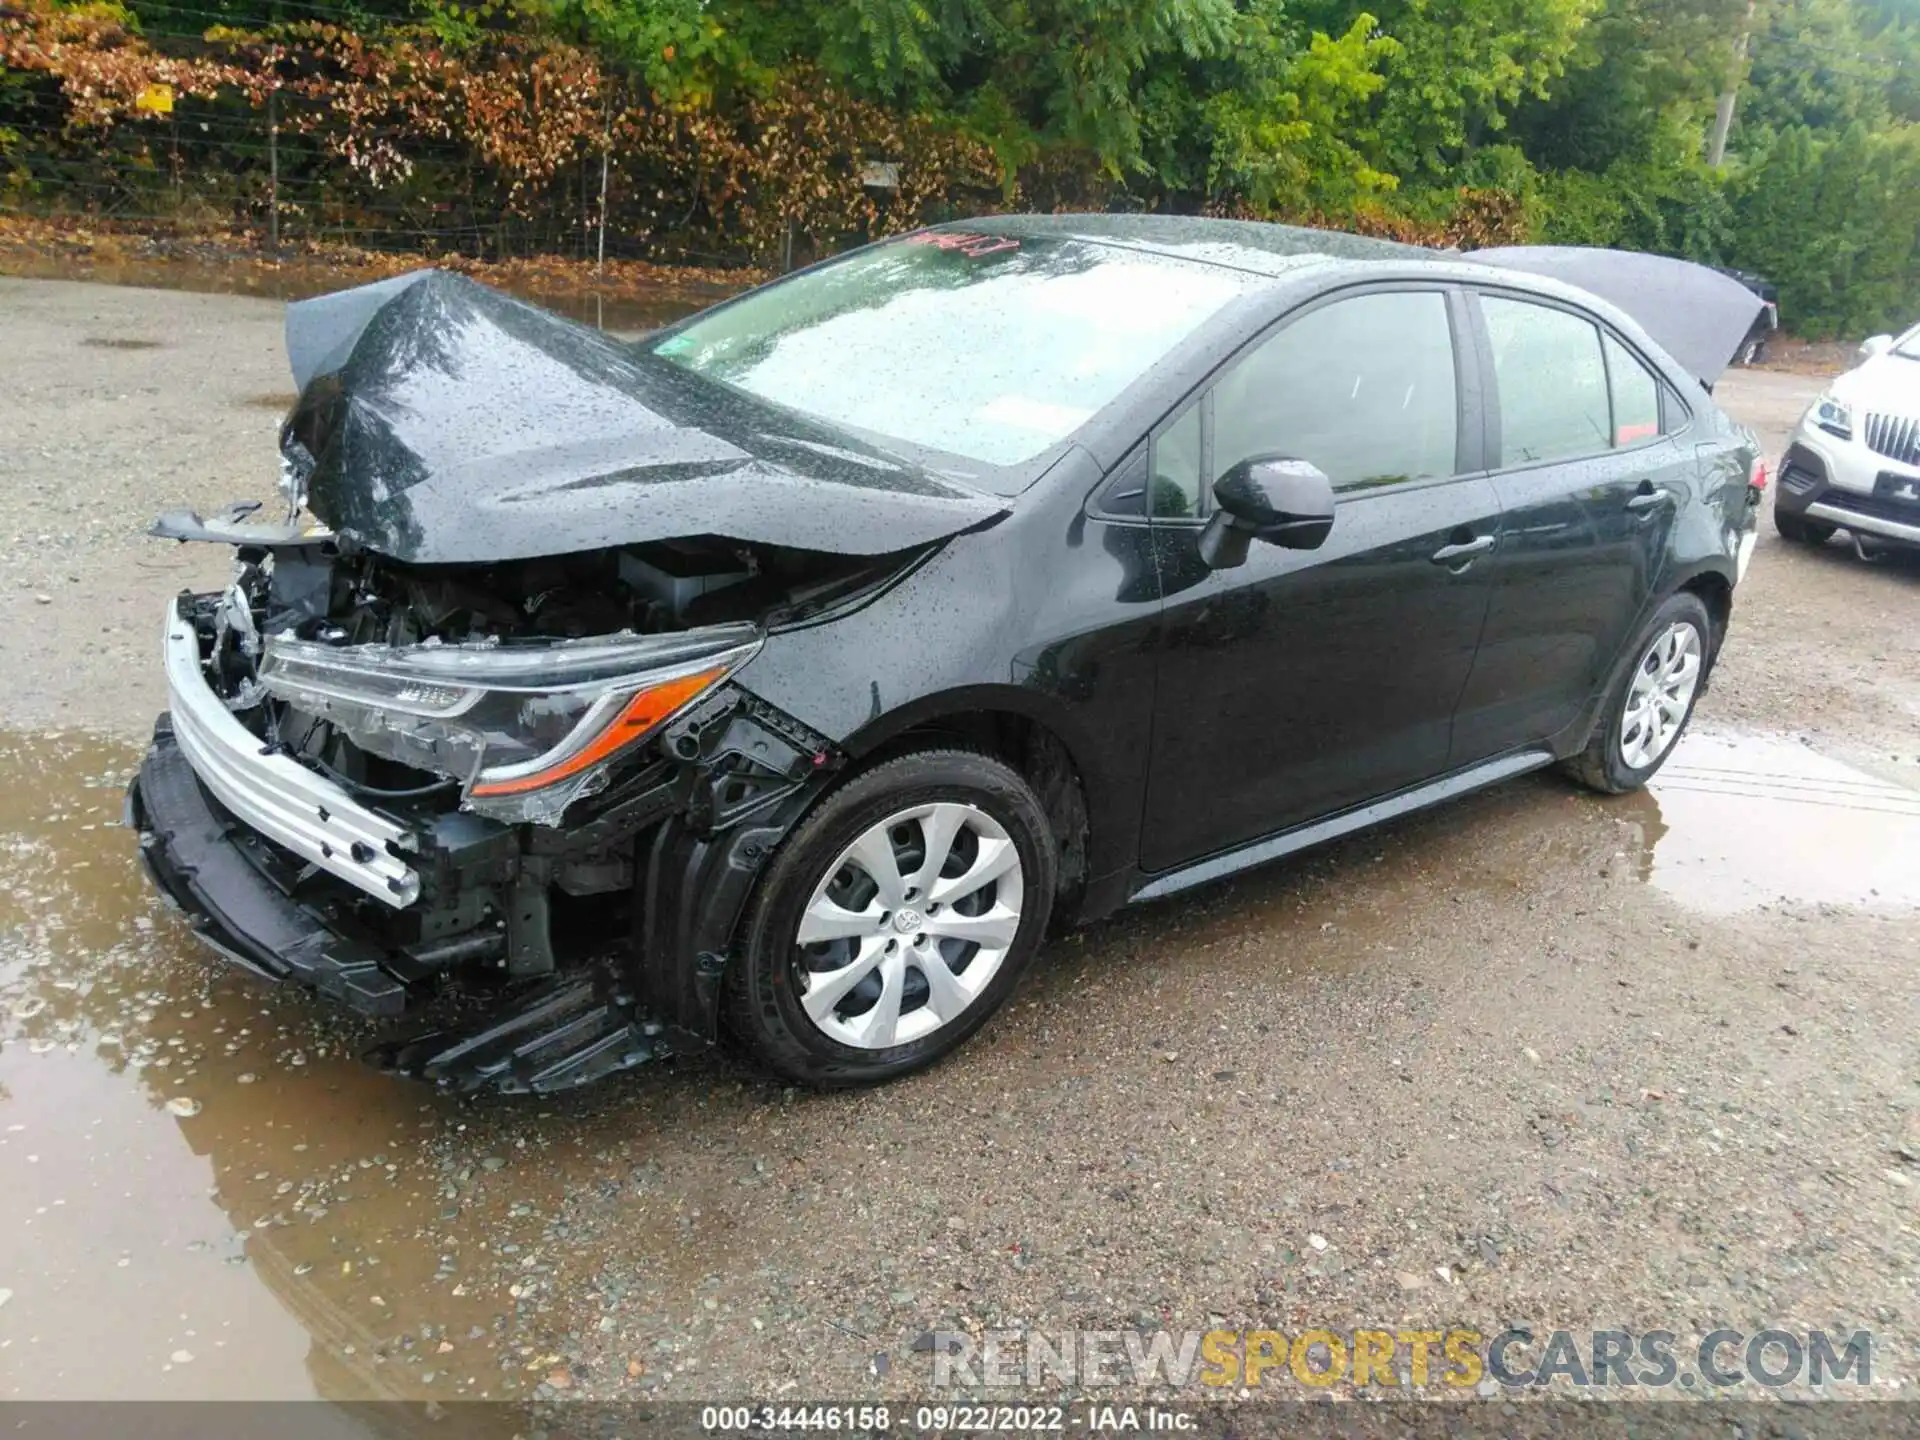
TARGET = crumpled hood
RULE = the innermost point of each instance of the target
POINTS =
(1697, 315)
(440, 421)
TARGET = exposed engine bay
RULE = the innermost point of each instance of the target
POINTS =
(309, 642)
(361, 598)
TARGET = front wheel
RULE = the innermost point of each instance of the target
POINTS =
(895, 919)
(1649, 702)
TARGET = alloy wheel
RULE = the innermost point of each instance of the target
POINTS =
(1662, 689)
(909, 925)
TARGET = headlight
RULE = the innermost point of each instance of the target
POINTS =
(527, 729)
(1834, 416)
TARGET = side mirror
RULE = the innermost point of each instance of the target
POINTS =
(1875, 345)
(1275, 498)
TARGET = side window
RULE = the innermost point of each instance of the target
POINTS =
(1174, 489)
(1552, 382)
(1636, 395)
(1364, 388)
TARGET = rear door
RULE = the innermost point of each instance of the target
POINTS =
(1590, 478)
(1307, 681)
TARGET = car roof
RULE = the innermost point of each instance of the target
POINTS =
(1299, 260)
(1250, 245)
(1287, 254)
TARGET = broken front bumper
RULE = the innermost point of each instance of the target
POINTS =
(282, 799)
(549, 1037)
(194, 854)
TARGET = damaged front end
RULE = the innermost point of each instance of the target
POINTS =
(467, 731)
(528, 791)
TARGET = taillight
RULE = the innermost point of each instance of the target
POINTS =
(1757, 474)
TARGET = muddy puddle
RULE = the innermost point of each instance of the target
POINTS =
(208, 1195)
(1734, 822)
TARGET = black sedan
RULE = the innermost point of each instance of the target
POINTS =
(791, 672)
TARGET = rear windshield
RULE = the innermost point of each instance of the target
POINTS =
(982, 346)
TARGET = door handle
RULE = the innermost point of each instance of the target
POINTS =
(1466, 550)
(1646, 498)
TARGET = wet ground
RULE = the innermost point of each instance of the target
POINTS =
(1538, 1057)
(1743, 820)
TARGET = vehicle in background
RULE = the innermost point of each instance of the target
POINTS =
(1753, 349)
(789, 672)
(1854, 461)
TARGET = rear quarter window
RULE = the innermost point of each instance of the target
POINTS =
(1635, 394)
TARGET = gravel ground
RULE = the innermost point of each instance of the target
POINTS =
(1534, 1059)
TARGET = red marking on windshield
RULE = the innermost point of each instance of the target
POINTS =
(1627, 434)
(969, 244)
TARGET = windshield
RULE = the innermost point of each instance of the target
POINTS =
(1907, 347)
(983, 346)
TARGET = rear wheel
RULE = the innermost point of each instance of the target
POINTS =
(1801, 530)
(894, 921)
(1651, 700)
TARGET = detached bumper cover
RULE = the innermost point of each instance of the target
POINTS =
(193, 853)
(260, 853)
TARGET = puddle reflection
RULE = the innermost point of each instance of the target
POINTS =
(209, 1195)
(1733, 822)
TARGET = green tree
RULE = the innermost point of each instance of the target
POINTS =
(1462, 68)
(742, 124)
(1834, 221)
(1640, 86)
(1827, 65)
(1295, 132)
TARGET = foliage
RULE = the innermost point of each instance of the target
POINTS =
(1299, 135)
(747, 129)
(1464, 66)
(1853, 265)
(1640, 86)
(1634, 205)
(1828, 64)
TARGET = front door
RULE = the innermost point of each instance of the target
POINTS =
(1305, 682)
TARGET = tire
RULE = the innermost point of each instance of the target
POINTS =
(889, 1021)
(1633, 739)
(1801, 530)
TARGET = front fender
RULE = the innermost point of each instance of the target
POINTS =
(692, 893)
(751, 772)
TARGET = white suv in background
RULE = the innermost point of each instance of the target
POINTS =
(1854, 463)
